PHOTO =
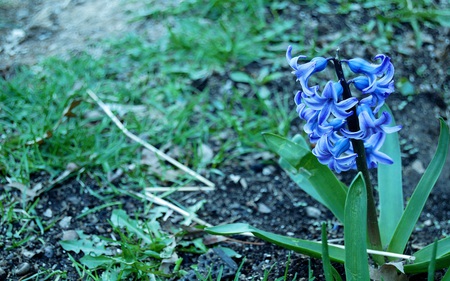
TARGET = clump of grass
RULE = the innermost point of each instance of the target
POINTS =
(153, 88)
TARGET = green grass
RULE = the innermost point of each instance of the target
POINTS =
(152, 87)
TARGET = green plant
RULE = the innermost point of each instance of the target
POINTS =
(355, 206)
(137, 252)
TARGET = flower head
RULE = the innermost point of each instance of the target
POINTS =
(326, 112)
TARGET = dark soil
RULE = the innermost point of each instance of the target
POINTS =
(264, 196)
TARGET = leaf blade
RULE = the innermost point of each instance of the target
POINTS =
(421, 193)
(390, 186)
(327, 271)
(355, 231)
(310, 248)
(121, 219)
(317, 179)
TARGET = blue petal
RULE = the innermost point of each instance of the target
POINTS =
(359, 65)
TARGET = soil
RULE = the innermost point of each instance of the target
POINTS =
(252, 189)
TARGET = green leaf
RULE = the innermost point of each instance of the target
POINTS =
(355, 231)
(310, 248)
(120, 218)
(87, 244)
(421, 193)
(96, 261)
(299, 178)
(290, 151)
(421, 267)
(302, 182)
(314, 178)
(426, 253)
(241, 77)
(390, 187)
(446, 277)
(336, 275)
(263, 92)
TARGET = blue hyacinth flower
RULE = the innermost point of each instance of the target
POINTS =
(370, 125)
(326, 112)
(378, 90)
(304, 71)
(330, 102)
(373, 154)
(334, 151)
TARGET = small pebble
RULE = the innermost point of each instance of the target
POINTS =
(48, 251)
(243, 183)
(28, 254)
(267, 171)
(65, 222)
(2, 274)
(48, 213)
(262, 208)
(100, 229)
(418, 166)
(69, 235)
(22, 269)
(313, 212)
(235, 178)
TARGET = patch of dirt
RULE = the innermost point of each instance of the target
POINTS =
(35, 29)
(263, 196)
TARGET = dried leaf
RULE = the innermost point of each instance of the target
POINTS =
(30, 193)
(71, 167)
(214, 239)
(68, 110)
(167, 264)
(388, 272)
(114, 176)
(40, 140)
(150, 159)
(205, 153)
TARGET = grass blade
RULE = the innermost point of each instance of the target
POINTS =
(390, 187)
(355, 232)
(310, 174)
(446, 277)
(327, 271)
(310, 248)
(432, 265)
(421, 193)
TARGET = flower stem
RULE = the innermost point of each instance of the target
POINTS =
(358, 146)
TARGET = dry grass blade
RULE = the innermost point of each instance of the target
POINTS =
(381, 253)
(167, 158)
(162, 202)
(181, 188)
